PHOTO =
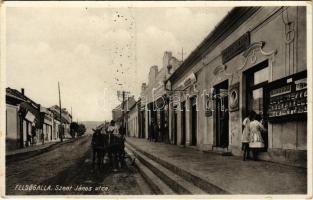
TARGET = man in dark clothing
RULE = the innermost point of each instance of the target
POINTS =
(155, 131)
(151, 131)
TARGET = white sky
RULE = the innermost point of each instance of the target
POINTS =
(91, 50)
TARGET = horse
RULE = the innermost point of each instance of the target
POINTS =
(98, 145)
(110, 144)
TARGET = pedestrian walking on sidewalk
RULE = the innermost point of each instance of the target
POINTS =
(155, 131)
(151, 132)
(245, 137)
(256, 140)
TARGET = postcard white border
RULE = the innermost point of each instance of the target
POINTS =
(156, 4)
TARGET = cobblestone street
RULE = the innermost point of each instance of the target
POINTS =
(70, 165)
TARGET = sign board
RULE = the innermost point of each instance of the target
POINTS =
(190, 80)
(30, 117)
(279, 91)
(209, 108)
(301, 84)
(236, 48)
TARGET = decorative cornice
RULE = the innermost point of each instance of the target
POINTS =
(250, 53)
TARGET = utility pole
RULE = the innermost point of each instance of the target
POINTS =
(61, 126)
(122, 97)
(123, 112)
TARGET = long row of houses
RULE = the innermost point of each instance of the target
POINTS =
(254, 59)
(29, 123)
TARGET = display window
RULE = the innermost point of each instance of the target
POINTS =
(288, 99)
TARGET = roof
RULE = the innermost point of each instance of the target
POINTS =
(56, 115)
(228, 24)
(19, 96)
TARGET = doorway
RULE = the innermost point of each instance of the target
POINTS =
(222, 115)
(194, 121)
(256, 96)
(175, 126)
(143, 124)
(183, 123)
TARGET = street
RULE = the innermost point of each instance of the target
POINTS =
(68, 170)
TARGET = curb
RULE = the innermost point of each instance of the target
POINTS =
(189, 176)
(29, 154)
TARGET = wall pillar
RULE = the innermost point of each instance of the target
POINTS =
(188, 122)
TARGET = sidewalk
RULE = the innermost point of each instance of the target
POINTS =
(29, 149)
(229, 173)
(27, 152)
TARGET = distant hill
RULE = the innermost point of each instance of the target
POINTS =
(91, 125)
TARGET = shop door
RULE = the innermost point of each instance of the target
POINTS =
(221, 115)
(143, 123)
(194, 121)
(174, 138)
(162, 123)
(150, 129)
(183, 123)
(257, 100)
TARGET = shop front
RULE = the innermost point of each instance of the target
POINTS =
(259, 64)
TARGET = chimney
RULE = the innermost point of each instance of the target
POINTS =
(23, 91)
(143, 86)
(166, 58)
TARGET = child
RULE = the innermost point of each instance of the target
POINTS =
(245, 137)
(256, 140)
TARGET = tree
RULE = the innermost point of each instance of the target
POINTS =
(73, 129)
(81, 129)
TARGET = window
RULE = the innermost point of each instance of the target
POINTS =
(256, 80)
(261, 76)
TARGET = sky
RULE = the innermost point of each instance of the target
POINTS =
(93, 52)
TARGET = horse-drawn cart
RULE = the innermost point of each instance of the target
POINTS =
(108, 145)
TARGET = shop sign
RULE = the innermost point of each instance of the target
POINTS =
(190, 80)
(209, 108)
(48, 120)
(236, 48)
(234, 97)
(279, 91)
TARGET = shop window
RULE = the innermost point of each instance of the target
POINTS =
(261, 76)
(257, 100)
(257, 79)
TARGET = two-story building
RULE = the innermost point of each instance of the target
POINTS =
(154, 100)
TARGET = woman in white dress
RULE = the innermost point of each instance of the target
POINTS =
(256, 140)
(245, 137)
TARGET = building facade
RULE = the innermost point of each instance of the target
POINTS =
(23, 120)
(120, 110)
(255, 59)
(154, 106)
(28, 123)
(133, 121)
(66, 119)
